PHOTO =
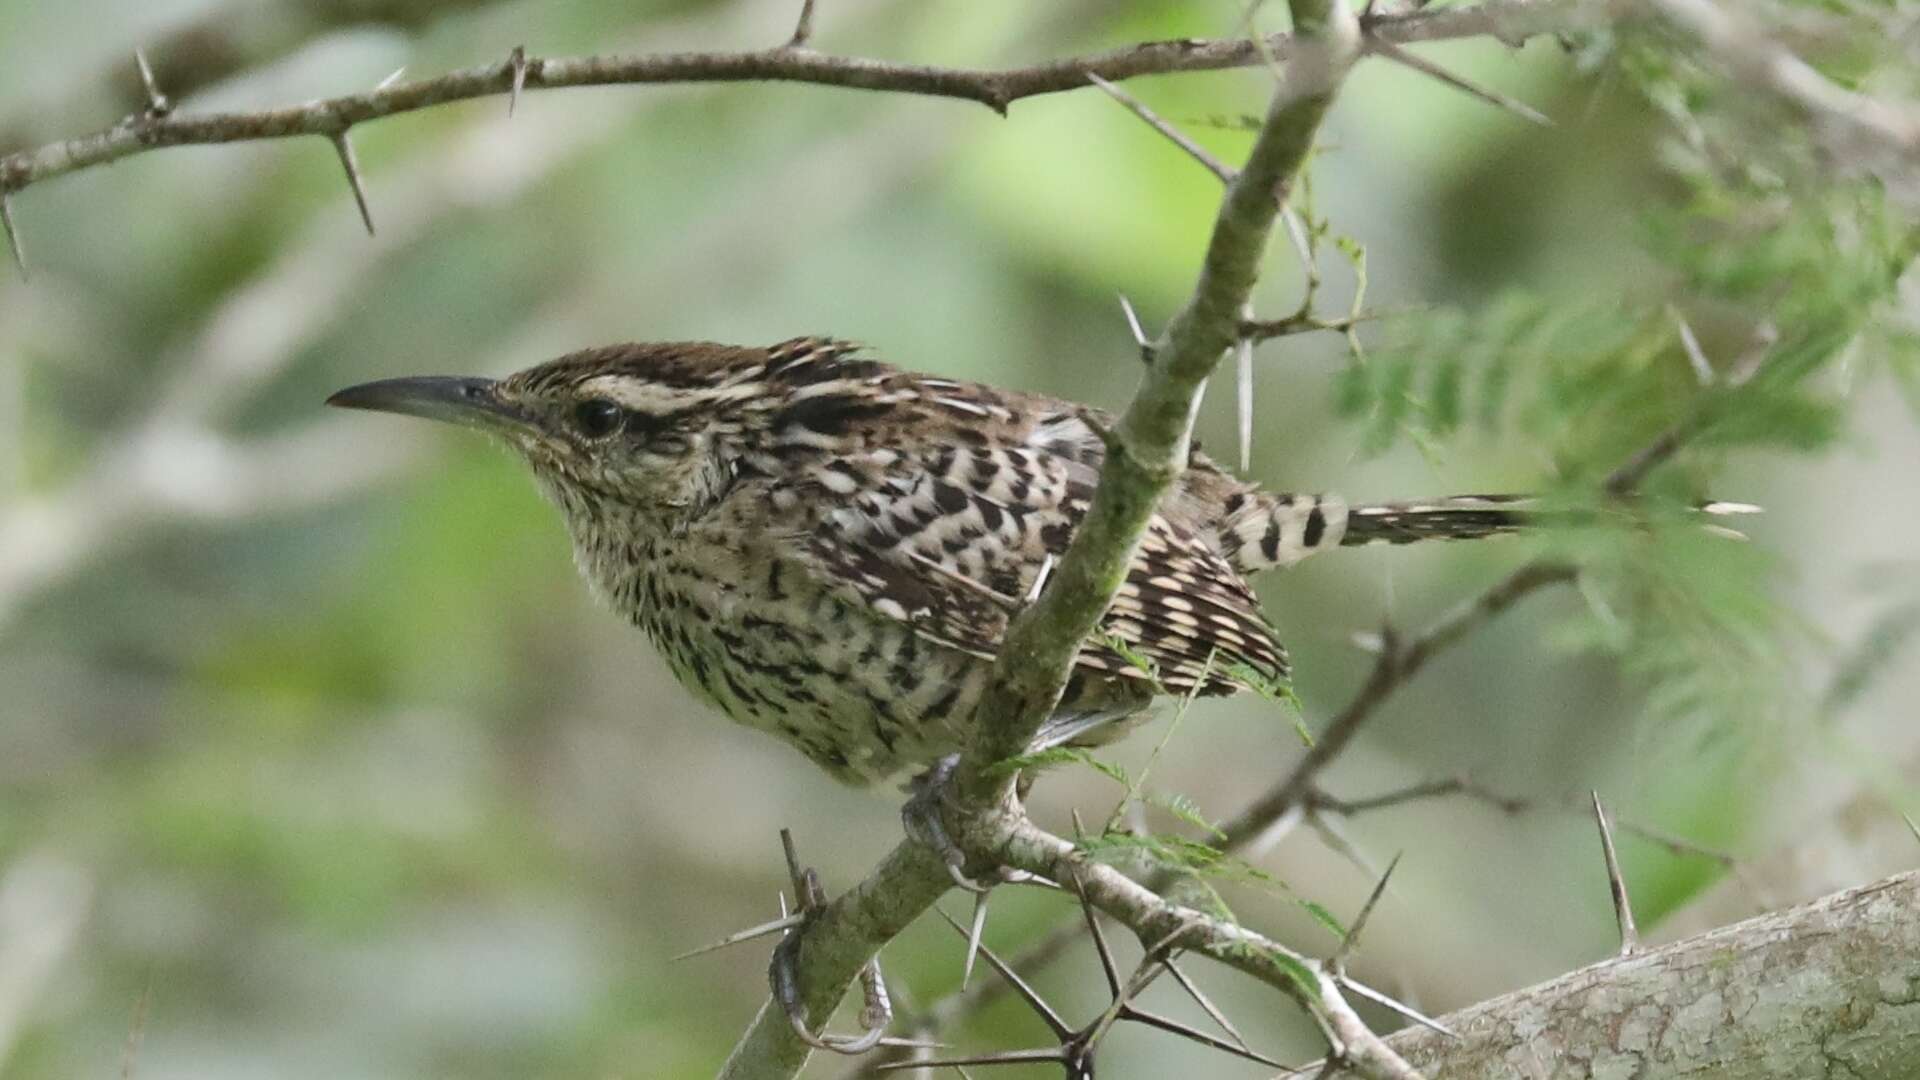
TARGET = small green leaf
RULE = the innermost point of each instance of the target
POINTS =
(1298, 973)
(1325, 918)
(1186, 810)
(1059, 755)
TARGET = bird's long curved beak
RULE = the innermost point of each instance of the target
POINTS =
(452, 399)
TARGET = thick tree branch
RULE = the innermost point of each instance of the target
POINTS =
(1828, 989)
(1509, 20)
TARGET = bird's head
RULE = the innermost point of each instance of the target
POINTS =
(646, 434)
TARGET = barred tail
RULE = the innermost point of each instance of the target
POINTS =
(1266, 530)
(1459, 517)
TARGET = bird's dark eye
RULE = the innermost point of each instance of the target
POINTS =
(597, 418)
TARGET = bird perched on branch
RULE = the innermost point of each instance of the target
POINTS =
(829, 548)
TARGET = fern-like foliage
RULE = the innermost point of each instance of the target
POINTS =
(1761, 238)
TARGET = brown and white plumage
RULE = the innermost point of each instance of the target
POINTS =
(831, 548)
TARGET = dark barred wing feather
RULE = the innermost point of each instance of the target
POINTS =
(953, 542)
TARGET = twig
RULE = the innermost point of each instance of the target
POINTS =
(1616, 882)
(775, 926)
(157, 103)
(1413, 61)
(1075, 1047)
(1304, 322)
(226, 40)
(1390, 1002)
(1140, 337)
(13, 234)
(1396, 663)
(517, 65)
(1334, 835)
(1206, 1004)
(1352, 937)
(975, 928)
(1356, 1046)
(1650, 457)
(1696, 356)
(1153, 918)
(840, 939)
(1507, 19)
(1194, 150)
(1319, 800)
(344, 148)
(802, 30)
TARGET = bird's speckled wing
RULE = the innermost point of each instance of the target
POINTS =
(950, 535)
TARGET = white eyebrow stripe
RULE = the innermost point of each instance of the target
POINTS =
(658, 399)
(633, 394)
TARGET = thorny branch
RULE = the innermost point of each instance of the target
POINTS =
(230, 39)
(1397, 661)
(1394, 667)
(909, 880)
(250, 339)
(1510, 20)
(1395, 664)
(1313, 983)
(1146, 452)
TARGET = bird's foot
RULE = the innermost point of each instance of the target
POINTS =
(924, 817)
(784, 975)
(925, 820)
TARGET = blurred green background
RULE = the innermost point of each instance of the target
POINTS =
(313, 753)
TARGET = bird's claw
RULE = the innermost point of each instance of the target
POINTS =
(784, 976)
(874, 1019)
(924, 821)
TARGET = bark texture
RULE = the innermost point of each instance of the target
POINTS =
(1829, 990)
